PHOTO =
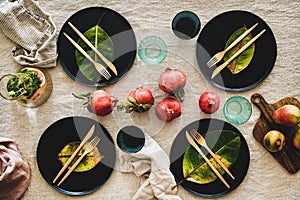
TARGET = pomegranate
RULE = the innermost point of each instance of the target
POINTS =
(98, 102)
(168, 109)
(139, 100)
(172, 81)
(209, 102)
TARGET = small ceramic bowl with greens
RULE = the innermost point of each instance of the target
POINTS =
(30, 87)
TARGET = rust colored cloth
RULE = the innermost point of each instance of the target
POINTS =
(14, 171)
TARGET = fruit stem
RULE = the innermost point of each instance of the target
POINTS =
(179, 94)
(114, 101)
(82, 96)
(170, 112)
(298, 120)
(211, 104)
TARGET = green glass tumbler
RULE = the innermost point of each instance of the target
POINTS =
(152, 50)
(237, 110)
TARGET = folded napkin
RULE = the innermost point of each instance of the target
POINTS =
(32, 30)
(14, 171)
(154, 160)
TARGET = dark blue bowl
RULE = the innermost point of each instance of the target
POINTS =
(131, 139)
(186, 25)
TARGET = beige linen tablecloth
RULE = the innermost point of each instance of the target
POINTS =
(266, 179)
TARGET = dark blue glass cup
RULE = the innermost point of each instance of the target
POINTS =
(131, 139)
(186, 25)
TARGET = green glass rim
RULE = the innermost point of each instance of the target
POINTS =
(152, 50)
(2, 93)
(241, 110)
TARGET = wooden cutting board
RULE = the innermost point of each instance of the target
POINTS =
(289, 156)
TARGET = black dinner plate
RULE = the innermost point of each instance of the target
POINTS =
(67, 130)
(213, 38)
(120, 32)
(216, 188)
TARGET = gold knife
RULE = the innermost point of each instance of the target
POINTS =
(193, 143)
(105, 60)
(211, 152)
(85, 139)
(221, 67)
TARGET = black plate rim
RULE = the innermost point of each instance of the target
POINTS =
(226, 191)
(108, 82)
(258, 82)
(79, 193)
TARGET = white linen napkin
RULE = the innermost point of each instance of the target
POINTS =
(32, 30)
(14, 171)
(154, 160)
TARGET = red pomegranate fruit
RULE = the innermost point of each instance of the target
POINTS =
(209, 102)
(98, 102)
(168, 109)
(139, 100)
(172, 81)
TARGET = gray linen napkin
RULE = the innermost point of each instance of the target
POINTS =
(33, 31)
(151, 158)
(14, 171)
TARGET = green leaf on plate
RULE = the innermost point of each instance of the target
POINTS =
(244, 59)
(87, 163)
(227, 147)
(103, 43)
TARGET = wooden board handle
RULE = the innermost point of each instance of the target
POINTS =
(264, 107)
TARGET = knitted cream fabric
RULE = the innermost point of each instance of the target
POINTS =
(32, 30)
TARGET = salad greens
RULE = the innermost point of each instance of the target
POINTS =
(244, 59)
(26, 83)
(226, 147)
(101, 40)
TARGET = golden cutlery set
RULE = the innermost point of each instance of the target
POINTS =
(99, 67)
(89, 147)
(213, 61)
(195, 138)
(218, 56)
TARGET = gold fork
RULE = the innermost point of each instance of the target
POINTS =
(200, 139)
(100, 68)
(85, 139)
(193, 143)
(105, 60)
(221, 67)
(218, 56)
(90, 146)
